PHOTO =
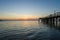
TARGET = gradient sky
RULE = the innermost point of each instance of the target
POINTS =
(10, 9)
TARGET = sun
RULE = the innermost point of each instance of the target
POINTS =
(25, 18)
(29, 17)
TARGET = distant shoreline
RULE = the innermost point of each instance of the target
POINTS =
(18, 20)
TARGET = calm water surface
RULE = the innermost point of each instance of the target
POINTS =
(27, 30)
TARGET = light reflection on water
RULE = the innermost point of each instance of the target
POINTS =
(27, 30)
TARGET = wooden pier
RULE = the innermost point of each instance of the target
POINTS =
(51, 19)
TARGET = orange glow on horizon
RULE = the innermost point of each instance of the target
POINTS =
(24, 17)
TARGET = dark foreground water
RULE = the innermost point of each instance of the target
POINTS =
(27, 30)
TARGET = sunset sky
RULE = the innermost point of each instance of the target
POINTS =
(15, 9)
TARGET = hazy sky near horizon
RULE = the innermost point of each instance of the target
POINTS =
(10, 9)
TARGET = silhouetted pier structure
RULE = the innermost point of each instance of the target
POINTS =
(51, 19)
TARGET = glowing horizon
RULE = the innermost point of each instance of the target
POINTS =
(19, 17)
